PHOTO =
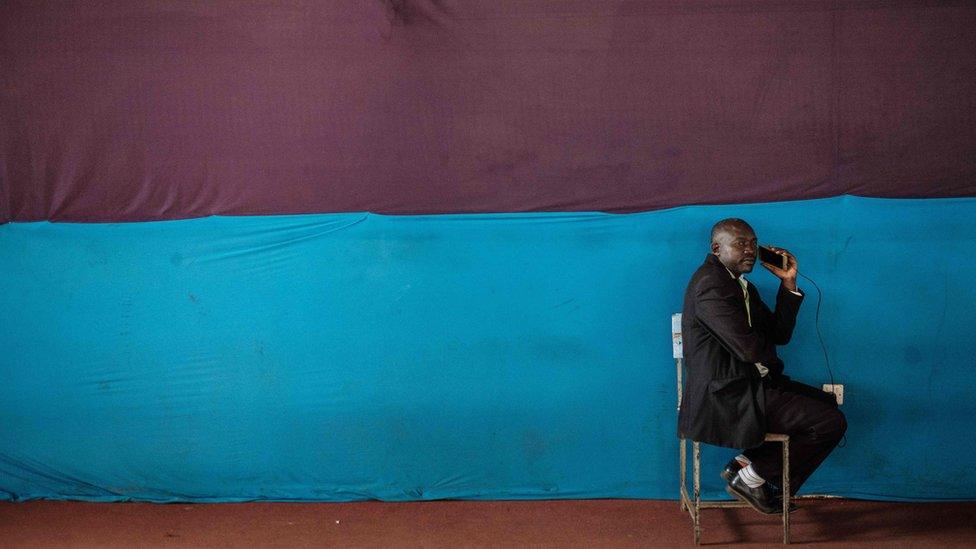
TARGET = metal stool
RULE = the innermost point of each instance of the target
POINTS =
(694, 505)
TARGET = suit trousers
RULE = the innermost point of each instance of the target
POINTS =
(812, 420)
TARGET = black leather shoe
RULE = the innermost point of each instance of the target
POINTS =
(761, 499)
(731, 470)
(778, 494)
(779, 506)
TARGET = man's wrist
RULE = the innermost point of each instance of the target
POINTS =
(789, 284)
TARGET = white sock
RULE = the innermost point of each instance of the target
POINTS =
(750, 477)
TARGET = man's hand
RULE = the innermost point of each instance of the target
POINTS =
(788, 276)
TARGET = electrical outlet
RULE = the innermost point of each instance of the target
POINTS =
(838, 391)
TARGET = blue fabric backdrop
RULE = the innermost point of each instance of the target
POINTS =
(349, 356)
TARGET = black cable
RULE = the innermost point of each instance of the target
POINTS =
(816, 323)
(823, 346)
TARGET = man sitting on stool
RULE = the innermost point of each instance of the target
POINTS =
(735, 391)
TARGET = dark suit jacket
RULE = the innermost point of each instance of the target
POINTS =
(722, 403)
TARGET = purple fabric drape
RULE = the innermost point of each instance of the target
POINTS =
(127, 111)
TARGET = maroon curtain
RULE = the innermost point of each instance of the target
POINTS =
(155, 110)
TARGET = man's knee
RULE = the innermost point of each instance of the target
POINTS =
(836, 424)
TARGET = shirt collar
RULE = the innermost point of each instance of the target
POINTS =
(741, 278)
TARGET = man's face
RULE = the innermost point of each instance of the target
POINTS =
(736, 247)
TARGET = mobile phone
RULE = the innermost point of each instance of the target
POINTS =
(769, 256)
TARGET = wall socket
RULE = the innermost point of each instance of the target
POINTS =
(838, 391)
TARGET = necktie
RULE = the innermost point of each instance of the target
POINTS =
(745, 294)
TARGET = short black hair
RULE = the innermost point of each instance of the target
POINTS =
(727, 224)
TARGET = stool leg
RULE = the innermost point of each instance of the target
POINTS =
(697, 474)
(786, 491)
(683, 454)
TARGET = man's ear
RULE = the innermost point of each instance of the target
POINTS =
(715, 247)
